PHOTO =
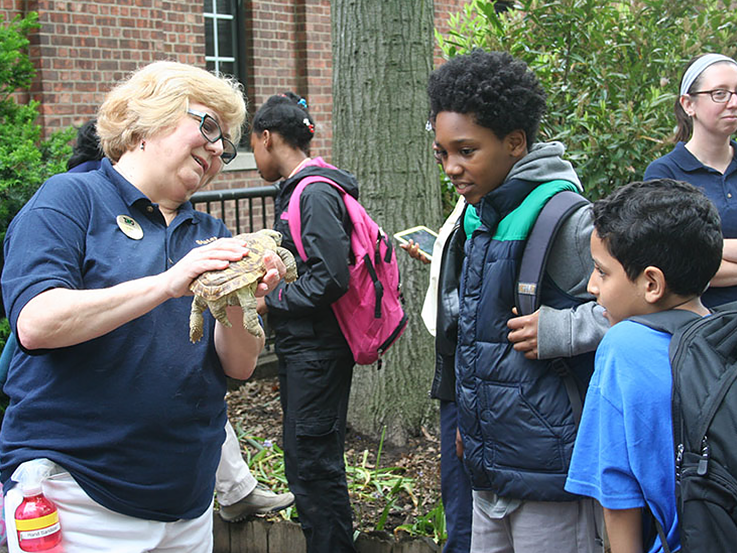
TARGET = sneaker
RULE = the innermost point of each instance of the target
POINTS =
(259, 502)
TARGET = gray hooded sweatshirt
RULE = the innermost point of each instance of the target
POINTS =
(565, 332)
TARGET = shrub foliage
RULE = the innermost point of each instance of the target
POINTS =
(611, 69)
(26, 160)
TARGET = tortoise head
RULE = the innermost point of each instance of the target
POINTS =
(273, 234)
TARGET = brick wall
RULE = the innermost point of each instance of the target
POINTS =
(10, 8)
(443, 11)
(83, 47)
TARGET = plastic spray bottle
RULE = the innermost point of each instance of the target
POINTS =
(36, 518)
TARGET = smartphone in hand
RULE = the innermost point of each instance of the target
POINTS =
(420, 235)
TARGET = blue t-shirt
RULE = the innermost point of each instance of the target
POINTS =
(624, 454)
(680, 164)
(136, 416)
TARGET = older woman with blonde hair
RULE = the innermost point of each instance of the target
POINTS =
(107, 387)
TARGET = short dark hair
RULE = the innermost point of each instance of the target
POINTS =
(501, 92)
(87, 147)
(287, 115)
(663, 223)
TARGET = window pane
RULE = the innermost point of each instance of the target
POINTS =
(209, 39)
(227, 67)
(223, 18)
(224, 6)
(225, 38)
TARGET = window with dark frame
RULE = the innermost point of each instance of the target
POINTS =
(224, 48)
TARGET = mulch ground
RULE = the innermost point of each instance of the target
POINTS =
(254, 408)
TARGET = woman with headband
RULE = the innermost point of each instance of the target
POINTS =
(706, 156)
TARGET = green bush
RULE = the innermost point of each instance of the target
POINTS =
(4, 332)
(26, 160)
(611, 70)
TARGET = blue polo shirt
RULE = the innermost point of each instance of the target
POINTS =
(680, 164)
(136, 416)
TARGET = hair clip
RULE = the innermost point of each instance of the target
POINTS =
(302, 103)
(309, 125)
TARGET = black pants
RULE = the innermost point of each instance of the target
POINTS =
(314, 398)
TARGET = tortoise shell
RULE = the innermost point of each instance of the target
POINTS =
(213, 285)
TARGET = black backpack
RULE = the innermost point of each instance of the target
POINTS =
(703, 356)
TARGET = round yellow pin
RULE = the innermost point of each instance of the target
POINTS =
(130, 227)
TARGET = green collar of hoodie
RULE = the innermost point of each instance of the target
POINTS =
(518, 223)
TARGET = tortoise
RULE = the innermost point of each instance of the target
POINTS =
(236, 284)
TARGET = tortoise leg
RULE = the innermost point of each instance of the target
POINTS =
(217, 308)
(196, 322)
(248, 304)
(289, 262)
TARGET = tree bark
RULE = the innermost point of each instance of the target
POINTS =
(382, 56)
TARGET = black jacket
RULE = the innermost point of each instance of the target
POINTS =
(446, 333)
(300, 312)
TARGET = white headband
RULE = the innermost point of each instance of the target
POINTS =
(698, 67)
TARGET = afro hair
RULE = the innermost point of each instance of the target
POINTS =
(501, 92)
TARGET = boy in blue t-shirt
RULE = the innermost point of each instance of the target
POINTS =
(656, 245)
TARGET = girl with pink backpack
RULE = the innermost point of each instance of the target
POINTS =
(315, 360)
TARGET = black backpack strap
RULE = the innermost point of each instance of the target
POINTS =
(670, 321)
(532, 269)
(731, 306)
(652, 530)
(661, 535)
(539, 243)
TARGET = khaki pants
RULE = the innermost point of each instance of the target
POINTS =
(535, 526)
(233, 479)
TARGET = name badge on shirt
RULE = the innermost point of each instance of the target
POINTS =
(129, 227)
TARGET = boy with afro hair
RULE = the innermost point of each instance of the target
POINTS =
(515, 416)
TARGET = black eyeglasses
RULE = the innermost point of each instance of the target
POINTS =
(211, 131)
(718, 95)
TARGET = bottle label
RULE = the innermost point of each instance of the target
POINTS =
(40, 533)
(37, 523)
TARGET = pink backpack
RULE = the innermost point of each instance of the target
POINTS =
(370, 313)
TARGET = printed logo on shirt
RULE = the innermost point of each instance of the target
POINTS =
(207, 241)
(130, 227)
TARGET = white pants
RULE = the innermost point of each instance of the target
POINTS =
(534, 526)
(233, 480)
(88, 527)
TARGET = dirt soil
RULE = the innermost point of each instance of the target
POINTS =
(254, 408)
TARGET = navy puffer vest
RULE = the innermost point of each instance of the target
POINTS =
(514, 414)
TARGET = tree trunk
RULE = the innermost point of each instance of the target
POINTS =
(382, 56)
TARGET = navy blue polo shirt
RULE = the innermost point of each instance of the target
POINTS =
(136, 416)
(680, 164)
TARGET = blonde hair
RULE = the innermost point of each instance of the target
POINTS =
(156, 97)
